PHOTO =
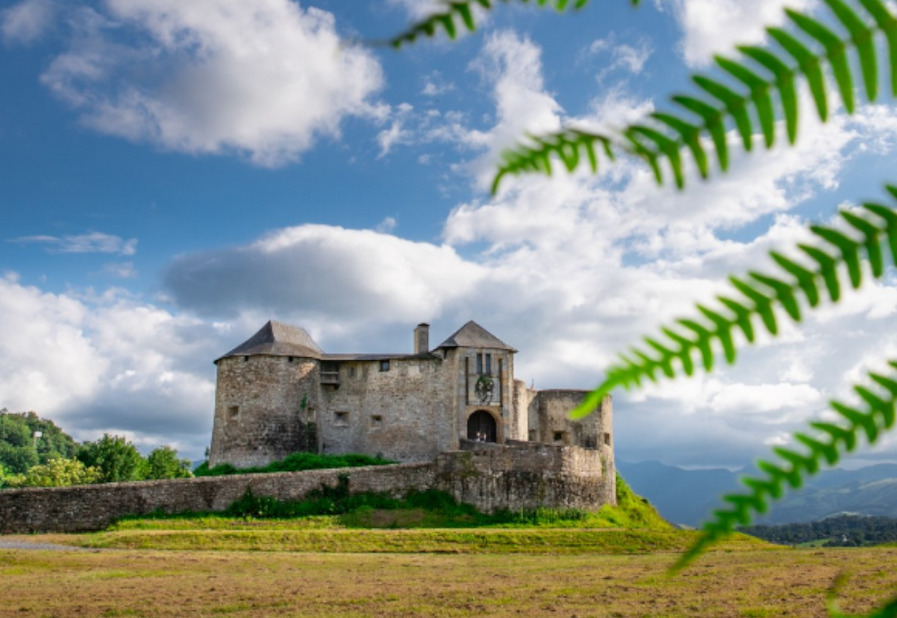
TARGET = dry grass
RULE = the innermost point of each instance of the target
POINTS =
(201, 583)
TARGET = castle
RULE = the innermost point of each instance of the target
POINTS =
(279, 393)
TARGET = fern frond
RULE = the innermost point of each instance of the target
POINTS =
(824, 447)
(458, 14)
(760, 295)
(758, 73)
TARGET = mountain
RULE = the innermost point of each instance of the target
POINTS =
(688, 497)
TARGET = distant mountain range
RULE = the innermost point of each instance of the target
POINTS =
(688, 497)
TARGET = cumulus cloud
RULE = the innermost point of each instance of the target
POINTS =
(320, 270)
(107, 363)
(265, 79)
(92, 242)
(26, 21)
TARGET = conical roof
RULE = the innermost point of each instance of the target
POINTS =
(277, 339)
(472, 335)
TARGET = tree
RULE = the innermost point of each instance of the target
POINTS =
(163, 463)
(115, 458)
(57, 472)
(741, 100)
(27, 440)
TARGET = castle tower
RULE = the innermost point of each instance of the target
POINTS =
(267, 398)
(483, 367)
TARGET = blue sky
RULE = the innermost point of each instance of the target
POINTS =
(176, 173)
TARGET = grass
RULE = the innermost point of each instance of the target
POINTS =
(429, 557)
(200, 583)
(296, 462)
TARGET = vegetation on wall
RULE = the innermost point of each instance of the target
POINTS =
(751, 93)
(296, 462)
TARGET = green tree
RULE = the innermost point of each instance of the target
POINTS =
(163, 463)
(17, 452)
(115, 457)
(57, 472)
(27, 440)
(752, 90)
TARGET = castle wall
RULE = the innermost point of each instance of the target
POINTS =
(404, 413)
(489, 476)
(265, 409)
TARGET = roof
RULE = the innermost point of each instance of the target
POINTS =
(277, 339)
(472, 335)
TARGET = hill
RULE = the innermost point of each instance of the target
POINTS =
(686, 497)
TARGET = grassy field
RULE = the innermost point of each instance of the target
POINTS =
(435, 560)
(595, 579)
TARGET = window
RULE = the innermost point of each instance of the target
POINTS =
(376, 421)
(233, 413)
(341, 418)
(484, 364)
(607, 439)
(384, 365)
(559, 437)
(352, 371)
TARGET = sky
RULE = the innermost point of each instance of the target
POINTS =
(174, 174)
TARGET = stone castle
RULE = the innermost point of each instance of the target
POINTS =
(279, 393)
(455, 417)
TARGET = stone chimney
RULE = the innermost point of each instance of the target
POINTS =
(422, 339)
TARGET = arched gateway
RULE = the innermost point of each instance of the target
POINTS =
(481, 427)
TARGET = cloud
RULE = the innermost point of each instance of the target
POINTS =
(715, 26)
(92, 242)
(630, 58)
(265, 80)
(318, 270)
(107, 363)
(27, 21)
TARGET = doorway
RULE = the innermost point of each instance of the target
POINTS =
(481, 427)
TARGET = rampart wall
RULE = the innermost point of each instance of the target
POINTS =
(491, 477)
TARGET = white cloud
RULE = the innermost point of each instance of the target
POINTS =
(97, 364)
(26, 21)
(630, 58)
(715, 26)
(265, 79)
(318, 270)
(92, 242)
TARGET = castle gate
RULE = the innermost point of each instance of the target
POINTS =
(481, 427)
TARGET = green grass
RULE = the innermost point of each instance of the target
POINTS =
(332, 520)
(297, 462)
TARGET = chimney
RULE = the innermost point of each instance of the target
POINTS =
(422, 339)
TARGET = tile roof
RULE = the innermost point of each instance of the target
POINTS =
(278, 339)
(472, 335)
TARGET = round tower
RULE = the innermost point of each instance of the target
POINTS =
(266, 398)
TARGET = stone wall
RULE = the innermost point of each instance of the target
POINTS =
(402, 413)
(525, 475)
(264, 408)
(489, 476)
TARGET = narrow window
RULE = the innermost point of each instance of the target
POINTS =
(233, 413)
(479, 364)
(607, 439)
(376, 421)
(352, 371)
(488, 364)
(384, 365)
(340, 418)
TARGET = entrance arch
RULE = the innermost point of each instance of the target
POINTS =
(481, 427)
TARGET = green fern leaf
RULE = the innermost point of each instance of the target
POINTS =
(834, 48)
(759, 94)
(784, 82)
(809, 65)
(861, 36)
(734, 104)
(887, 23)
(713, 121)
